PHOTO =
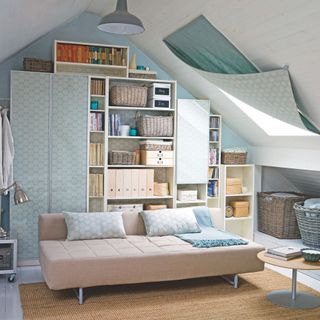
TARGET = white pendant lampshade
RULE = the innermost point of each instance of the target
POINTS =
(121, 21)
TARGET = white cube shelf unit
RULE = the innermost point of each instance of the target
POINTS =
(214, 158)
(242, 226)
(113, 177)
(91, 58)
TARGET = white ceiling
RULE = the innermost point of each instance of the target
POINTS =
(270, 33)
(24, 21)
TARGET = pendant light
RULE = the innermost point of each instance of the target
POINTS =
(121, 21)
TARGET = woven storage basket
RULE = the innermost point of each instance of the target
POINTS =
(276, 216)
(309, 224)
(121, 157)
(155, 145)
(129, 96)
(234, 157)
(37, 65)
(155, 126)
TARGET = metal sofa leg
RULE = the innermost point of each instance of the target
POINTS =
(234, 280)
(79, 294)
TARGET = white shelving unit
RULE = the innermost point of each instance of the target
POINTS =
(242, 226)
(213, 200)
(162, 173)
(110, 60)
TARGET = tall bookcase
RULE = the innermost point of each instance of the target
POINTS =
(242, 226)
(104, 171)
(214, 162)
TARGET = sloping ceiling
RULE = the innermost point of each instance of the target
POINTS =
(22, 22)
(270, 33)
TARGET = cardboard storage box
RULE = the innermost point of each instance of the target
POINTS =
(187, 195)
(155, 206)
(153, 158)
(240, 208)
(234, 186)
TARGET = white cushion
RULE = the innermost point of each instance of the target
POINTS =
(94, 225)
(170, 221)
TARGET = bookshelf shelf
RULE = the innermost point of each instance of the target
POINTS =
(96, 131)
(218, 142)
(141, 198)
(240, 195)
(92, 65)
(102, 111)
(141, 137)
(218, 129)
(192, 202)
(213, 165)
(97, 95)
(136, 166)
(233, 219)
(141, 109)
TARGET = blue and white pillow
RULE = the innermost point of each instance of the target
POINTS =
(170, 221)
(94, 225)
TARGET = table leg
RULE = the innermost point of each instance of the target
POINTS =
(293, 299)
(294, 284)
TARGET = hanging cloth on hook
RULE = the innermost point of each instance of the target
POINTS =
(7, 150)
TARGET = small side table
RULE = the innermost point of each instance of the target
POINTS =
(8, 256)
(292, 299)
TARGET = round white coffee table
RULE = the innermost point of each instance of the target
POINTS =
(292, 299)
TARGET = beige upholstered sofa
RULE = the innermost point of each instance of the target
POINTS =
(136, 259)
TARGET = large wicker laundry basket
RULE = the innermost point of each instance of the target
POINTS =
(276, 215)
(309, 224)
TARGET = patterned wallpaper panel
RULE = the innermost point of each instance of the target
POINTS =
(69, 142)
(49, 124)
(29, 120)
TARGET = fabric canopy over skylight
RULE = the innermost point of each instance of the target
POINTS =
(204, 48)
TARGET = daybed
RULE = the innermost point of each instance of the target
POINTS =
(138, 258)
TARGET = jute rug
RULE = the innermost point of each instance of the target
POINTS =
(197, 299)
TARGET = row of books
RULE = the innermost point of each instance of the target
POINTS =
(91, 54)
(213, 156)
(96, 121)
(213, 188)
(214, 122)
(96, 185)
(98, 87)
(96, 154)
(114, 124)
(213, 173)
(283, 253)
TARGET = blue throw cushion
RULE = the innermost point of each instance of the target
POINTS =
(170, 221)
(94, 225)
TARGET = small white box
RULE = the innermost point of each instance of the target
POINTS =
(187, 195)
(159, 89)
(163, 102)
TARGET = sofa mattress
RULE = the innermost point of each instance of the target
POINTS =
(86, 263)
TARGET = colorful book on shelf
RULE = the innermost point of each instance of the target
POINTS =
(286, 252)
(213, 156)
(212, 188)
(114, 124)
(96, 121)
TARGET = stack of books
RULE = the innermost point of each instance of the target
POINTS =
(96, 121)
(98, 87)
(213, 173)
(213, 156)
(213, 188)
(96, 154)
(91, 54)
(96, 185)
(283, 253)
(114, 124)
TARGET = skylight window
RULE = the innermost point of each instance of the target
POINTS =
(271, 125)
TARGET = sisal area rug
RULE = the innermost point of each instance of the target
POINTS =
(196, 299)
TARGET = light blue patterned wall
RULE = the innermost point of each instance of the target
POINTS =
(49, 125)
(29, 121)
(69, 142)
